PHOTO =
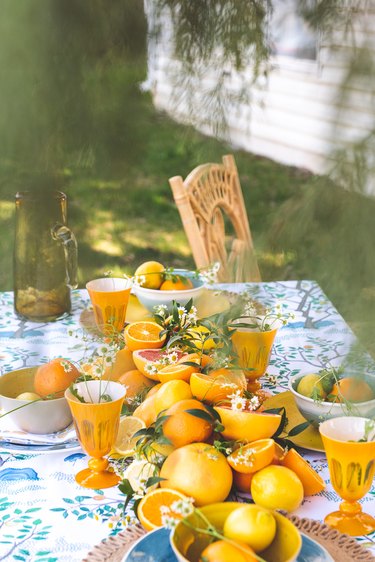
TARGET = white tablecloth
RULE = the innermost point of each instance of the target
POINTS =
(46, 516)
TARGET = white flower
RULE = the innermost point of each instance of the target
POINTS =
(249, 309)
(164, 509)
(253, 403)
(173, 357)
(182, 507)
(151, 369)
(237, 402)
(161, 309)
(66, 366)
(168, 521)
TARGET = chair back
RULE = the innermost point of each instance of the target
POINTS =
(209, 201)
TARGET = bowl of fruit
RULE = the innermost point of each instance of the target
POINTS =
(331, 394)
(32, 398)
(155, 285)
(249, 531)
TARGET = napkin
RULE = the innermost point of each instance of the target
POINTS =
(9, 433)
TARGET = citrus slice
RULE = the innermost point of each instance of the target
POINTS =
(138, 473)
(139, 335)
(149, 361)
(176, 372)
(253, 456)
(246, 426)
(151, 506)
(217, 385)
(311, 481)
(125, 441)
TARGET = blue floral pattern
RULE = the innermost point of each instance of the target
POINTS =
(45, 516)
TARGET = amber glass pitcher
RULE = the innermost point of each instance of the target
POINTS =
(45, 256)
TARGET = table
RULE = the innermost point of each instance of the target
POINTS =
(46, 516)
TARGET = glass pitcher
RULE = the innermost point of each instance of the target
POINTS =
(45, 256)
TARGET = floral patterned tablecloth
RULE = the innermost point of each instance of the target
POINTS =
(46, 516)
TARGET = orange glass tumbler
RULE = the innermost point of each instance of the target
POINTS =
(351, 463)
(109, 297)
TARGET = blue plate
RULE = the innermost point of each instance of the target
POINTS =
(155, 547)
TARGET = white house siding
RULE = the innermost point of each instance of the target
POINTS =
(294, 117)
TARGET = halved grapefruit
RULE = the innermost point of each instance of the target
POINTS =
(150, 361)
(247, 426)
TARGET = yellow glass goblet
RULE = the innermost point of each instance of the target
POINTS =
(351, 465)
(109, 297)
(254, 351)
(96, 421)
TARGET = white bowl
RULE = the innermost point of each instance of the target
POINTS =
(316, 412)
(154, 297)
(43, 416)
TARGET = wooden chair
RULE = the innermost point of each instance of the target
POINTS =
(209, 200)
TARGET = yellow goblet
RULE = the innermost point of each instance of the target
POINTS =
(254, 351)
(351, 465)
(96, 421)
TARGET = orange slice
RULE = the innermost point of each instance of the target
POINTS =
(247, 426)
(139, 335)
(216, 386)
(252, 457)
(311, 481)
(176, 372)
(150, 507)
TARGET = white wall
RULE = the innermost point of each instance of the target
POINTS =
(293, 118)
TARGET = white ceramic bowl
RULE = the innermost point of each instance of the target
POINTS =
(316, 412)
(153, 297)
(44, 416)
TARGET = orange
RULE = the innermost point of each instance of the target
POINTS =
(277, 487)
(182, 428)
(146, 410)
(217, 385)
(242, 481)
(279, 454)
(123, 363)
(135, 383)
(149, 512)
(252, 457)
(139, 335)
(223, 551)
(247, 426)
(176, 371)
(146, 358)
(311, 481)
(199, 471)
(55, 377)
(351, 389)
(201, 359)
(171, 392)
(150, 274)
(154, 389)
(177, 284)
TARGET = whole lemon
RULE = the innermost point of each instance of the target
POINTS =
(150, 274)
(311, 386)
(199, 338)
(277, 487)
(251, 524)
(30, 396)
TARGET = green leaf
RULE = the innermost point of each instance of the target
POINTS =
(154, 480)
(298, 429)
(126, 488)
(200, 414)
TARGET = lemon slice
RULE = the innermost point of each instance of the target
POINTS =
(138, 472)
(125, 441)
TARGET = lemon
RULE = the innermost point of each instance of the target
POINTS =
(171, 392)
(199, 335)
(138, 472)
(277, 487)
(311, 386)
(150, 274)
(125, 441)
(29, 396)
(252, 525)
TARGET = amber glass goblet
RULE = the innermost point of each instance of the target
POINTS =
(351, 463)
(96, 421)
(109, 297)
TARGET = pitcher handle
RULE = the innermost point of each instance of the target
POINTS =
(64, 235)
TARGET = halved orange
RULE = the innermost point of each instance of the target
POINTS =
(139, 335)
(150, 507)
(311, 481)
(217, 385)
(177, 371)
(252, 457)
(246, 426)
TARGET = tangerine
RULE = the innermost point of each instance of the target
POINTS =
(222, 551)
(182, 427)
(351, 389)
(136, 383)
(200, 471)
(177, 284)
(55, 377)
